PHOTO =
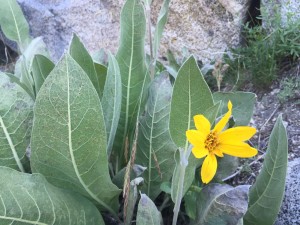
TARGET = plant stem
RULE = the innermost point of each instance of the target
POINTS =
(179, 195)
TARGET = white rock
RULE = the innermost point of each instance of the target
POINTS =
(205, 28)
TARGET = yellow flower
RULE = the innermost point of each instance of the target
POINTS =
(215, 142)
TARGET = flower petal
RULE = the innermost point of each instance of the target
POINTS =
(218, 152)
(222, 123)
(199, 152)
(237, 134)
(202, 124)
(195, 137)
(241, 149)
(209, 168)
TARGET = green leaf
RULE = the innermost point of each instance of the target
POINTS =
(173, 66)
(161, 21)
(190, 203)
(101, 71)
(191, 96)
(100, 57)
(111, 101)
(221, 204)
(15, 125)
(136, 171)
(30, 199)
(243, 105)
(16, 80)
(132, 199)
(23, 66)
(147, 213)
(131, 59)
(155, 149)
(69, 137)
(83, 58)
(212, 112)
(227, 165)
(41, 68)
(266, 194)
(14, 24)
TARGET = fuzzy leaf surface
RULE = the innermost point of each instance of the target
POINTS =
(101, 71)
(29, 199)
(83, 58)
(15, 124)
(69, 136)
(41, 68)
(111, 101)
(242, 105)
(266, 194)
(23, 68)
(147, 213)
(131, 59)
(191, 96)
(14, 24)
(155, 149)
(221, 204)
(161, 22)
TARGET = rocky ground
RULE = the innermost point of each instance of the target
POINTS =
(267, 109)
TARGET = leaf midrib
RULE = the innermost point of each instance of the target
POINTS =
(16, 24)
(71, 148)
(150, 145)
(22, 220)
(129, 74)
(269, 181)
(11, 145)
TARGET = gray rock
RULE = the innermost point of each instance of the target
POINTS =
(290, 209)
(287, 10)
(205, 28)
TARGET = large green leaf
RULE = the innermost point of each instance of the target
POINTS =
(147, 213)
(161, 21)
(13, 23)
(83, 58)
(155, 149)
(243, 105)
(191, 96)
(69, 137)
(221, 204)
(266, 194)
(131, 59)
(41, 68)
(15, 125)
(30, 199)
(111, 101)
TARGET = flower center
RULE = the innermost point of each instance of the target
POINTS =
(211, 141)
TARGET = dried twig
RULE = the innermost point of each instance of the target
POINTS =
(239, 170)
(265, 123)
(126, 189)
